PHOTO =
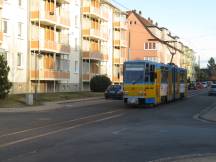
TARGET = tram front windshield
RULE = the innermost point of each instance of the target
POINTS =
(134, 73)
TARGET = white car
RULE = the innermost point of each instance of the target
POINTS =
(205, 84)
(212, 90)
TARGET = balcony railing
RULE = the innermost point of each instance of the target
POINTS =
(51, 46)
(64, 20)
(51, 18)
(49, 74)
(93, 33)
(1, 37)
(116, 79)
(120, 43)
(63, 48)
(93, 55)
(88, 76)
(91, 10)
(120, 25)
(1, 3)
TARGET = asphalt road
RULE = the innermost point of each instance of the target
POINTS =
(108, 131)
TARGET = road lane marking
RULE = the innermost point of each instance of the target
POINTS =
(119, 131)
(59, 131)
(60, 123)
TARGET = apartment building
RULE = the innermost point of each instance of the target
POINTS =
(104, 41)
(49, 45)
(188, 61)
(13, 41)
(147, 41)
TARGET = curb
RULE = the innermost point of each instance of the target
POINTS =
(46, 106)
(202, 115)
(185, 158)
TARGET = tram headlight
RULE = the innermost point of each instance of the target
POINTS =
(125, 93)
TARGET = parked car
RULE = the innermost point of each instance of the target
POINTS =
(114, 92)
(205, 84)
(212, 90)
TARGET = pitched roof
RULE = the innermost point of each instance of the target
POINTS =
(148, 23)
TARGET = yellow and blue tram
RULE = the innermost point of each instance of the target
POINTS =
(147, 82)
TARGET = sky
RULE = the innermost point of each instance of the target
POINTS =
(194, 21)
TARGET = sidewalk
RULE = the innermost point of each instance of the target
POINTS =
(46, 106)
(210, 115)
(209, 157)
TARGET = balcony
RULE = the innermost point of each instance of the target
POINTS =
(92, 33)
(49, 74)
(49, 46)
(45, 17)
(63, 21)
(1, 3)
(120, 43)
(104, 36)
(63, 48)
(92, 11)
(1, 37)
(105, 57)
(120, 25)
(92, 55)
(64, 1)
(116, 79)
(87, 77)
(118, 60)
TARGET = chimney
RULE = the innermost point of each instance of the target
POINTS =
(156, 24)
(140, 13)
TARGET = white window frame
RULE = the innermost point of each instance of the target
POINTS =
(150, 44)
(76, 67)
(20, 29)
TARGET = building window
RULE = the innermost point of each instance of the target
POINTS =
(76, 67)
(20, 29)
(5, 26)
(19, 59)
(146, 46)
(150, 46)
(76, 44)
(20, 3)
(76, 20)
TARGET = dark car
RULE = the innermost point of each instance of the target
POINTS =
(114, 92)
(212, 90)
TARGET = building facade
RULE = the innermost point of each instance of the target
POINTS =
(59, 45)
(148, 41)
(14, 42)
(104, 41)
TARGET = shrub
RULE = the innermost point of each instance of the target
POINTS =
(5, 85)
(99, 83)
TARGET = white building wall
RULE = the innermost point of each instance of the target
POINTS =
(14, 44)
(110, 44)
(75, 43)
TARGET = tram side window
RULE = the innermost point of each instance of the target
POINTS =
(147, 76)
(164, 76)
(152, 73)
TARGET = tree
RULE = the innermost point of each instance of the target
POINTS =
(201, 74)
(99, 83)
(5, 85)
(211, 67)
